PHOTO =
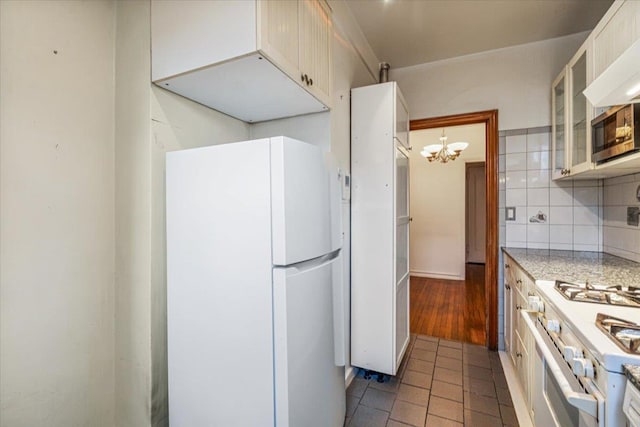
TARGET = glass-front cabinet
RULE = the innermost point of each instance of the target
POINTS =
(581, 110)
(571, 116)
(558, 139)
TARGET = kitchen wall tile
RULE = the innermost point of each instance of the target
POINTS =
(538, 160)
(561, 234)
(516, 197)
(585, 235)
(615, 216)
(561, 196)
(502, 181)
(514, 244)
(538, 179)
(587, 183)
(620, 179)
(502, 199)
(585, 215)
(535, 245)
(612, 195)
(587, 248)
(561, 246)
(516, 232)
(537, 233)
(516, 144)
(516, 162)
(539, 129)
(502, 162)
(622, 253)
(629, 193)
(586, 196)
(560, 215)
(538, 142)
(538, 197)
(502, 146)
(516, 179)
(503, 235)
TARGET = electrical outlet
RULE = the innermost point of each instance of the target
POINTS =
(510, 213)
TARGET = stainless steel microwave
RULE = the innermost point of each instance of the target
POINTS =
(615, 132)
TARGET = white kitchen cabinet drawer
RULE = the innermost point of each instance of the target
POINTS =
(254, 60)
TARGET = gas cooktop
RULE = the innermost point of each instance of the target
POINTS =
(624, 333)
(628, 296)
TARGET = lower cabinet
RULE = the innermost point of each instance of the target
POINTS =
(517, 338)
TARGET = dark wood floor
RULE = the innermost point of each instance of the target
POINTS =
(451, 309)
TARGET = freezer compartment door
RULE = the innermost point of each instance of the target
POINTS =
(301, 205)
(309, 387)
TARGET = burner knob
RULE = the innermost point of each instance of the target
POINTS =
(536, 304)
(583, 367)
(553, 326)
(571, 353)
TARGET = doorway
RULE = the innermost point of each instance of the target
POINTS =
(489, 276)
(475, 213)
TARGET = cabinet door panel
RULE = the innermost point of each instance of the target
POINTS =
(579, 111)
(402, 318)
(558, 101)
(315, 46)
(279, 33)
(402, 122)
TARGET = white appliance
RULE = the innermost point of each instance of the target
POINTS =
(578, 378)
(254, 286)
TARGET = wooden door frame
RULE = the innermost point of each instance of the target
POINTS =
(490, 120)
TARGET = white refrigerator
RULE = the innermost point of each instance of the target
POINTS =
(255, 298)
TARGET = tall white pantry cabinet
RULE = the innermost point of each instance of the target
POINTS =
(379, 227)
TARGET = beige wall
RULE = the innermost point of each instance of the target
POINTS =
(57, 213)
(150, 122)
(515, 80)
(437, 235)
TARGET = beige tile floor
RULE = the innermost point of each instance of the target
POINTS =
(440, 384)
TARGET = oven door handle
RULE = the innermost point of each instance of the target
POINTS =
(583, 401)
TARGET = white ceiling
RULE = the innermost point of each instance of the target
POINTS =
(410, 32)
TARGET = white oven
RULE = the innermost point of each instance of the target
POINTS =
(560, 398)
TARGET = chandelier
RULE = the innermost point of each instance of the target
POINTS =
(443, 152)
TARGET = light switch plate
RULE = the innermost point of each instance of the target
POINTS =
(510, 213)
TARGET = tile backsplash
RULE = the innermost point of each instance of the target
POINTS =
(548, 214)
(621, 239)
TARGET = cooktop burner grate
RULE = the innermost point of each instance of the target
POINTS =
(613, 295)
(624, 333)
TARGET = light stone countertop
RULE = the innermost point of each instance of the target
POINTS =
(576, 266)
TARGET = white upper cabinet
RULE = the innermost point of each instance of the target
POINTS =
(254, 60)
(615, 33)
(572, 114)
(559, 160)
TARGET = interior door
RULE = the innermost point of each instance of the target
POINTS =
(476, 212)
(309, 387)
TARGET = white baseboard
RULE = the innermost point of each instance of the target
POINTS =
(431, 275)
(349, 374)
(519, 403)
